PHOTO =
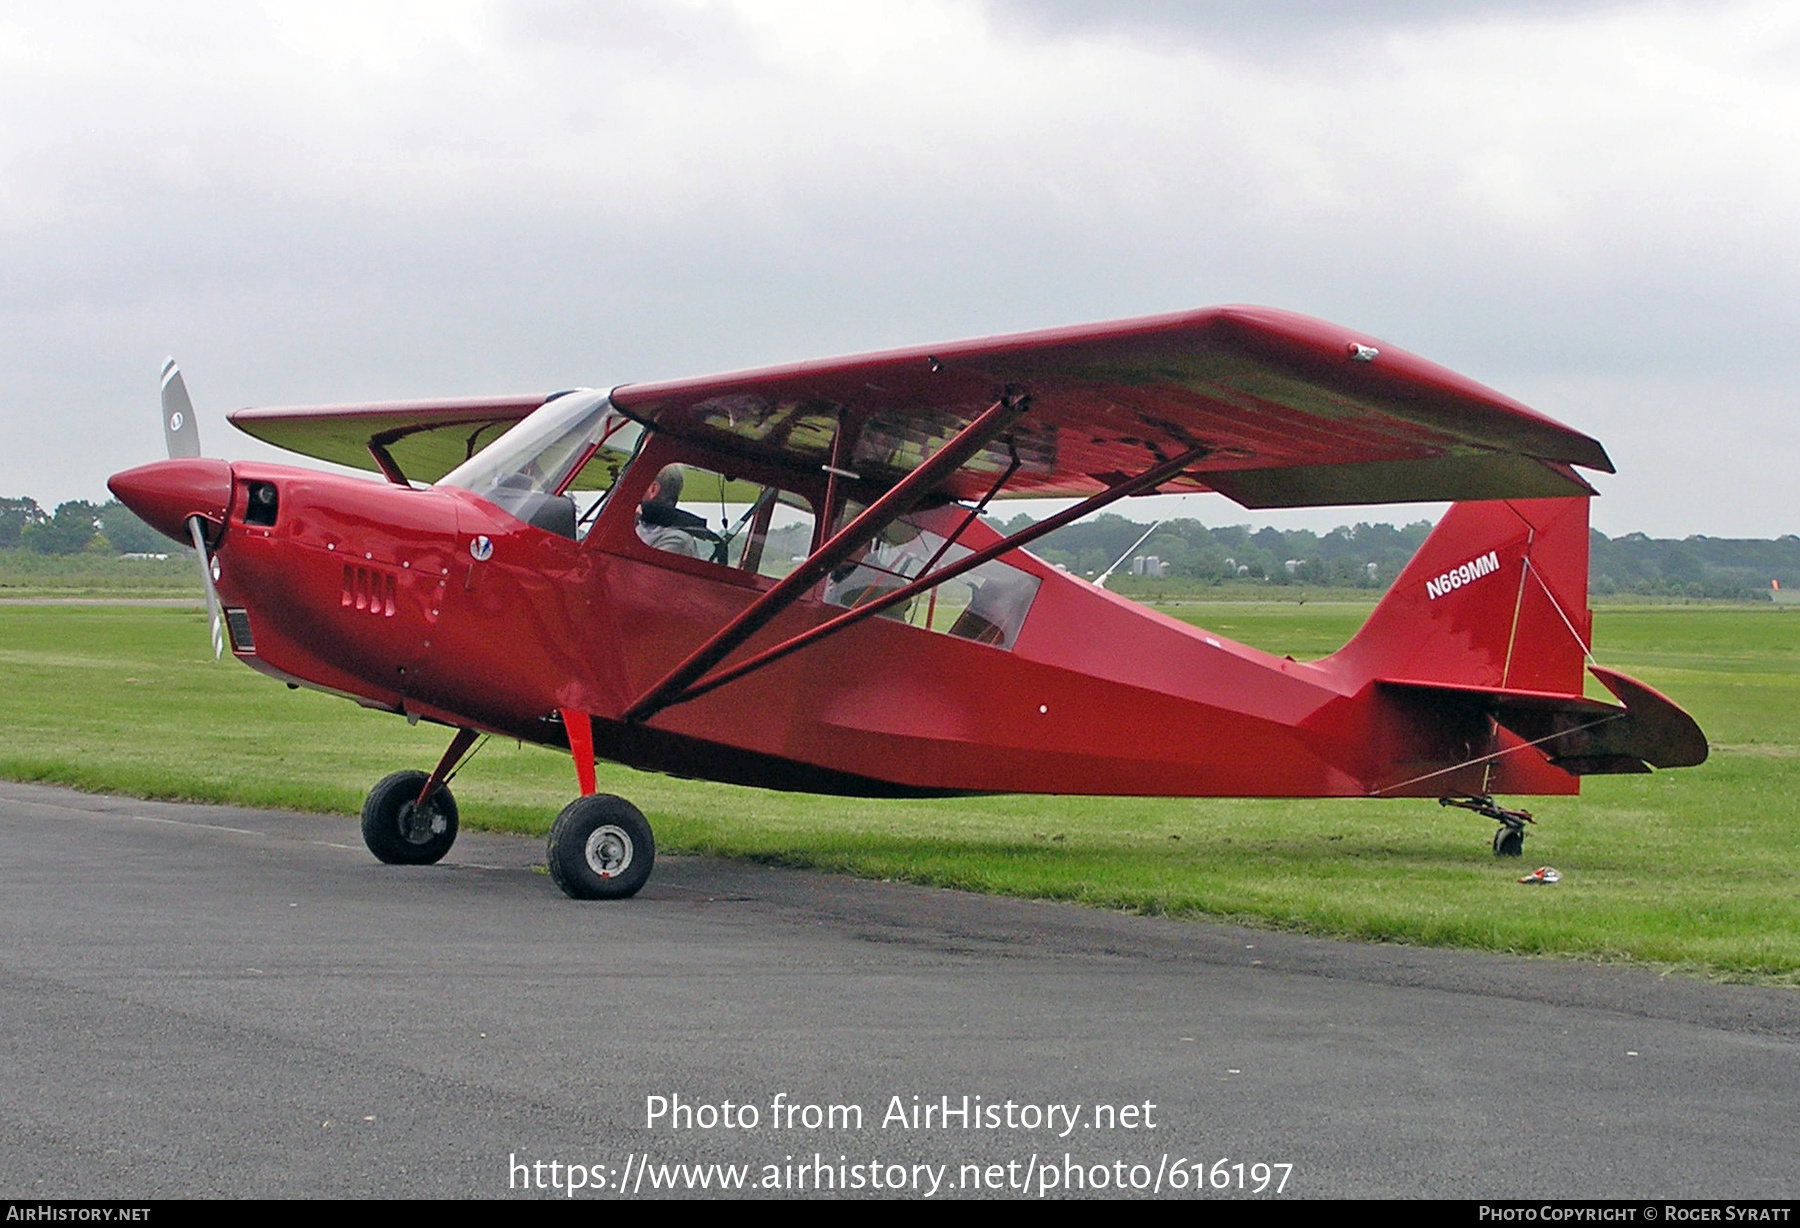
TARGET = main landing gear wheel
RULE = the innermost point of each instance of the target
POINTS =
(1509, 842)
(600, 848)
(401, 832)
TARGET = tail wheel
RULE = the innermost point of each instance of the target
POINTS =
(600, 848)
(401, 832)
(1509, 840)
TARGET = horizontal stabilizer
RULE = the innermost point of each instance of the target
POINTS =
(1655, 728)
(1583, 737)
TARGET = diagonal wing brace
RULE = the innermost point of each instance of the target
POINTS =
(899, 499)
(1149, 479)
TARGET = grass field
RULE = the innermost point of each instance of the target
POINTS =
(103, 576)
(1698, 870)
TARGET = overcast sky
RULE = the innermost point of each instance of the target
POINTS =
(1594, 208)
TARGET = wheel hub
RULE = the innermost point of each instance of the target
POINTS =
(420, 824)
(608, 850)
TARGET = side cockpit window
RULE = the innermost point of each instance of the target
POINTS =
(987, 605)
(700, 514)
(593, 484)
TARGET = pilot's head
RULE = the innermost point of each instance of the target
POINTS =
(665, 491)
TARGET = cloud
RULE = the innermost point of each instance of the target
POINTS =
(1267, 29)
(338, 201)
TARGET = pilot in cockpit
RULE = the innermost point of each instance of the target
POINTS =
(664, 525)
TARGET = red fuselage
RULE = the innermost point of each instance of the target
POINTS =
(438, 604)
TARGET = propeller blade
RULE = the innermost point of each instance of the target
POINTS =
(182, 435)
(212, 594)
(180, 431)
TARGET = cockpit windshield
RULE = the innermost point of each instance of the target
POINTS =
(577, 441)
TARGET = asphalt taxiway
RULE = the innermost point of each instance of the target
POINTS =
(206, 1001)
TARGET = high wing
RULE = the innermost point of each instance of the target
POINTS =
(1288, 411)
(423, 440)
(1282, 411)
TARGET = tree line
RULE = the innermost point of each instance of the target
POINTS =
(77, 527)
(1371, 556)
(1361, 555)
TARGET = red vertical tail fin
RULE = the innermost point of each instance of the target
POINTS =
(1474, 664)
(1495, 598)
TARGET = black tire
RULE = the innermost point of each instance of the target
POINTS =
(1509, 842)
(400, 832)
(600, 848)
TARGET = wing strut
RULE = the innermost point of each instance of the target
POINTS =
(899, 499)
(1147, 480)
(384, 460)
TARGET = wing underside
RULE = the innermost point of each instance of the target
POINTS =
(423, 439)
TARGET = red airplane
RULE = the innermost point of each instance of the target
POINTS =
(782, 578)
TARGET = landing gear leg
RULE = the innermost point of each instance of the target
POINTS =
(1509, 839)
